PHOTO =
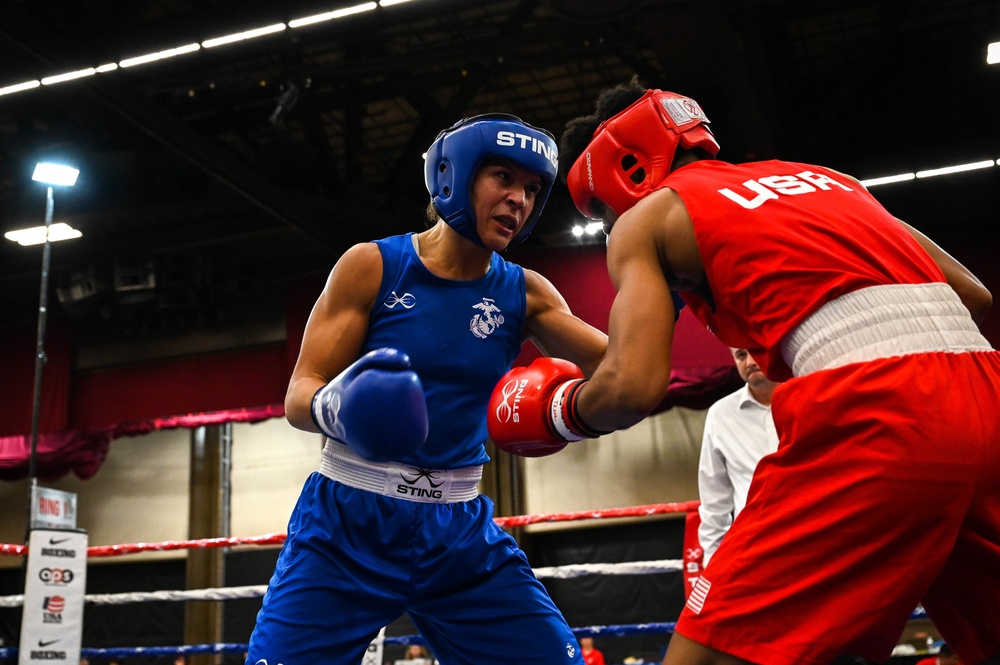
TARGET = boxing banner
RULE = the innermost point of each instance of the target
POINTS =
(375, 650)
(56, 580)
(693, 553)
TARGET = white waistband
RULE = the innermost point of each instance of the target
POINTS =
(882, 322)
(402, 481)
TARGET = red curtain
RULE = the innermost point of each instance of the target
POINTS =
(248, 378)
(83, 451)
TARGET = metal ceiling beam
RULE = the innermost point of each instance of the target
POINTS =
(291, 208)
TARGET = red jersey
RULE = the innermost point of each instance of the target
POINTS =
(778, 240)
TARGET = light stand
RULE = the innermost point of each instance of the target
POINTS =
(50, 174)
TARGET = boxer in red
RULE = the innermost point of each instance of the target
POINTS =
(885, 489)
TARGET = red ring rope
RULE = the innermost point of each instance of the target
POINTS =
(278, 538)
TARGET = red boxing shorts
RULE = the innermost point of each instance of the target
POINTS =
(884, 493)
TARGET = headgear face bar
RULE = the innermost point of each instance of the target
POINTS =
(457, 152)
(632, 152)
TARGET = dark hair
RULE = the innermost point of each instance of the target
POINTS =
(580, 130)
(946, 650)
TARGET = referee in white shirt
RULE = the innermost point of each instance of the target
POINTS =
(739, 431)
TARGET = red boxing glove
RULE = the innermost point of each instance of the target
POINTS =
(532, 411)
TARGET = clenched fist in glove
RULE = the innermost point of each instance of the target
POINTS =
(532, 411)
(376, 406)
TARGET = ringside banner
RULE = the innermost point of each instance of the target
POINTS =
(55, 584)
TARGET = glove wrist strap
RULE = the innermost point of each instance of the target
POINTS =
(316, 411)
(565, 417)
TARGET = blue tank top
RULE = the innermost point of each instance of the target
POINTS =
(461, 336)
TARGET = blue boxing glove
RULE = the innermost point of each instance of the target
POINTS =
(376, 406)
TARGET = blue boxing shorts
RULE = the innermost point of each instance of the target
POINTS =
(356, 560)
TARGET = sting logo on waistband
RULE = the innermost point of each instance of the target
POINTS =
(410, 489)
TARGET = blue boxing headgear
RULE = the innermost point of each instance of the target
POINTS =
(457, 152)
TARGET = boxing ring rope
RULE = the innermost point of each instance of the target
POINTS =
(256, 591)
(279, 538)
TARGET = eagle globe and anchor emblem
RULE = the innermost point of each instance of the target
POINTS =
(487, 320)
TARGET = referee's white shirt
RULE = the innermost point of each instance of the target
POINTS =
(739, 430)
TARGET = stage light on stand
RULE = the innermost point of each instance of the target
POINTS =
(51, 512)
(53, 175)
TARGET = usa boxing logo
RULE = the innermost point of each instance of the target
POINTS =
(52, 608)
(507, 410)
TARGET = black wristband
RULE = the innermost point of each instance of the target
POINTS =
(571, 413)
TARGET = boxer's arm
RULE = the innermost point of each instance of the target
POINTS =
(554, 329)
(973, 293)
(651, 241)
(336, 330)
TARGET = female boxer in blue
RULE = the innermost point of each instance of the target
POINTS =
(398, 360)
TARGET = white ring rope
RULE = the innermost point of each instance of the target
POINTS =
(627, 568)
(257, 590)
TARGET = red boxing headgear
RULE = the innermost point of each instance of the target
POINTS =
(631, 153)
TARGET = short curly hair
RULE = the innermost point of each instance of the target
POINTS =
(580, 130)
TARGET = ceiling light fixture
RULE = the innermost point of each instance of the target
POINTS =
(69, 76)
(885, 180)
(242, 36)
(18, 87)
(929, 173)
(51, 173)
(329, 16)
(159, 55)
(35, 235)
(955, 169)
